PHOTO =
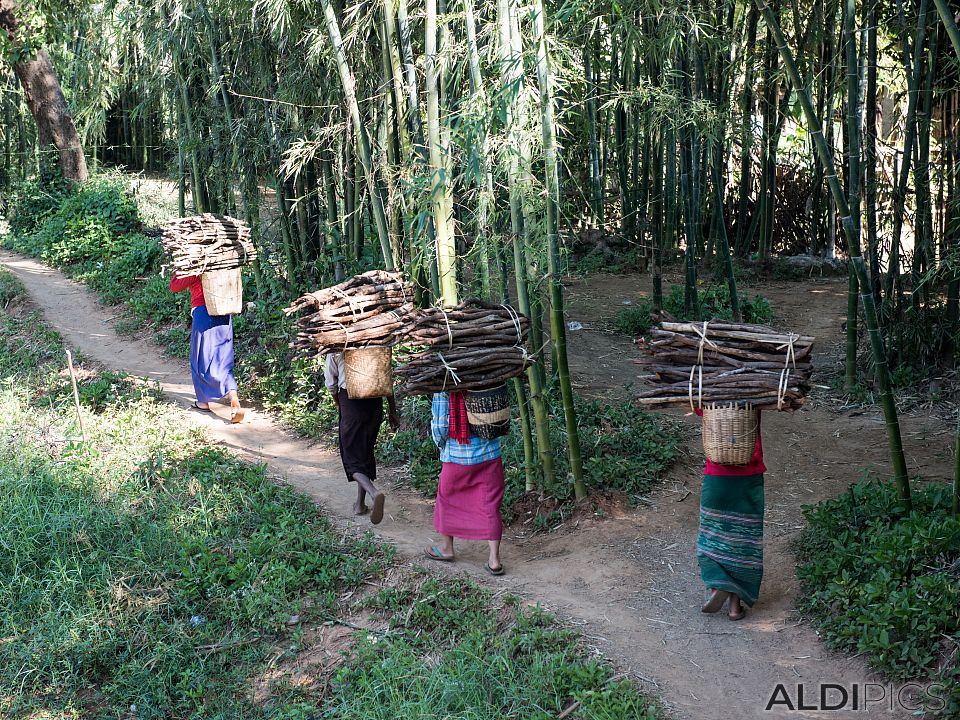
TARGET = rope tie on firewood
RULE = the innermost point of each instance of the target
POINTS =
(704, 340)
(353, 306)
(451, 372)
(516, 323)
(446, 319)
(791, 359)
(699, 387)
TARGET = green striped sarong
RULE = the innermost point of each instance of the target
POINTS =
(730, 541)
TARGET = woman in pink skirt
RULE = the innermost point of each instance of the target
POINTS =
(471, 483)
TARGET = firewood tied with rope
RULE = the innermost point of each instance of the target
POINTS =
(368, 310)
(697, 363)
(208, 242)
(474, 346)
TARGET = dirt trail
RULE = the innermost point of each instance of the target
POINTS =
(630, 582)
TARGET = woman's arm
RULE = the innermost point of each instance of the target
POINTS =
(179, 284)
(440, 422)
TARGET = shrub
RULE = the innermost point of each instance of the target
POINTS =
(713, 303)
(64, 226)
(883, 584)
(635, 321)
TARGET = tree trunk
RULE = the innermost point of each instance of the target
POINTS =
(897, 458)
(552, 186)
(41, 90)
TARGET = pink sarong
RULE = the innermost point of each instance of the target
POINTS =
(468, 501)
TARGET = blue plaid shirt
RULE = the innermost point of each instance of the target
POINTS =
(474, 452)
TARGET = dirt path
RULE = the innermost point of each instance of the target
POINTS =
(630, 582)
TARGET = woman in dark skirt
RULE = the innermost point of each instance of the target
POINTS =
(359, 426)
(211, 350)
(730, 541)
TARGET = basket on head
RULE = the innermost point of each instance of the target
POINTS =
(488, 412)
(368, 372)
(730, 432)
(223, 291)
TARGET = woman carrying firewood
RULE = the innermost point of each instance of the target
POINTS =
(730, 540)
(211, 350)
(359, 425)
(471, 483)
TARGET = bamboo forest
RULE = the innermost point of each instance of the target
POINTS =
(548, 359)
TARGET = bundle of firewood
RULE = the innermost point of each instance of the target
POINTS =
(204, 243)
(366, 310)
(473, 346)
(696, 363)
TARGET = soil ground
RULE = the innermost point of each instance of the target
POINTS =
(630, 581)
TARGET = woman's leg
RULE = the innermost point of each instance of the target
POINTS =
(443, 550)
(236, 412)
(737, 610)
(494, 560)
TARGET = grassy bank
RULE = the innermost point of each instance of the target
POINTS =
(887, 586)
(97, 235)
(145, 573)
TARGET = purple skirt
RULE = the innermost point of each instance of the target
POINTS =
(468, 501)
(211, 355)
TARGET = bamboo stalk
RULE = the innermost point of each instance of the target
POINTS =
(897, 457)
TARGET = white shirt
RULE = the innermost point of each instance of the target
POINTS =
(334, 373)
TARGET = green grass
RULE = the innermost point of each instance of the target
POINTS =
(886, 585)
(147, 573)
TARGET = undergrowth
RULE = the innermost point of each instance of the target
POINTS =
(145, 573)
(887, 585)
(713, 303)
(623, 448)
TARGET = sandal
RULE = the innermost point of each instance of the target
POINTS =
(738, 615)
(715, 602)
(195, 406)
(492, 570)
(434, 554)
(376, 513)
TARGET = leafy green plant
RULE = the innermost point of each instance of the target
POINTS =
(880, 583)
(714, 304)
(636, 320)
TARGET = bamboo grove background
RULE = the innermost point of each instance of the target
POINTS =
(487, 146)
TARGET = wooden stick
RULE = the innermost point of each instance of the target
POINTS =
(76, 395)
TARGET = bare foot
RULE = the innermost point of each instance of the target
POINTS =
(715, 602)
(737, 610)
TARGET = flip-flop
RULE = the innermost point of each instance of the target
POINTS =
(376, 512)
(739, 615)
(194, 406)
(715, 602)
(434, 553)
(493, 571)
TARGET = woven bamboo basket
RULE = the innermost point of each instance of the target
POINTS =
(730, 432)
(488, 412)
(223, 291)
(368, 372)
